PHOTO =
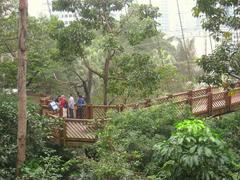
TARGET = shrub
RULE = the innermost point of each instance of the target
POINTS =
(228, 126)
(124, 149)
(38, 130)
(194, 151)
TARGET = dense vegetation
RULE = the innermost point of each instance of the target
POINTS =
(96, 56)
(116, 53)
(153, 143)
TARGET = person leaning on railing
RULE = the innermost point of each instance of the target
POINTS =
(80, 104)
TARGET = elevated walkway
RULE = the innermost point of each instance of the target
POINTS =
(202, 102)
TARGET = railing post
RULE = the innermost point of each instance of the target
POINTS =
(122, 107)
(61, 112)
(118, 108)
(210, 103)
(227, 101)
(190, 100)
(209, 89)
(75, 110)
(86, 112)
(64, 131)
(90, 111)
(105, 110)
(147, 103)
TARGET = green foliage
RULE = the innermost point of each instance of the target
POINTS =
(73, 38)
(42, 54)
(228, 127)
(6, 7)
(221, 19)
(139, 23)
(38, 130)
(133, 75)
(218, 14)
(125, 146)
(217, 65)
(99, 16)
(171, 80)
(8, 76)
(48, 167)
(98, 40)
(194, 151)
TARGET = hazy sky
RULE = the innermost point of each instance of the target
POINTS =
(39, 7)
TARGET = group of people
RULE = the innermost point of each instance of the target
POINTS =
(67, 106)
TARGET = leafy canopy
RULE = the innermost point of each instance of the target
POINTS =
(221, 19)
(218, 16)
(218, 65)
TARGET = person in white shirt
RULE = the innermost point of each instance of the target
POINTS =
(71, 106)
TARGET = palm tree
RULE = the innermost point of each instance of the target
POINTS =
(184, 56)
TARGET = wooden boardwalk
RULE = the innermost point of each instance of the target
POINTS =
(203, 102)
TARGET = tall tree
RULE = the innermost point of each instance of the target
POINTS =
(221, 19)
(185, 54)
(42, 53)
(22, 114)
(99, 16)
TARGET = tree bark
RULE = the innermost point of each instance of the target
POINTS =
(22, 114)
(89, 88)
(87, 85)
(105, 79)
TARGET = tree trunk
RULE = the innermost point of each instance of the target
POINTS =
(88, 95)
(105, 79)
(22, 115)
(184, 42)
(105, 91)
(87, 85)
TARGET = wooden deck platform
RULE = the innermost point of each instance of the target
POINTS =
(78, 130)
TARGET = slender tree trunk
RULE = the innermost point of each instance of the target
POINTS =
(90, 78)
(105, 80)
(210, 38)
(87, 85)
(22, 114)
(184, 41)
(205, 43)
(105, 93)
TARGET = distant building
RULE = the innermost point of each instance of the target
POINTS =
(192, 28)
(235, 33)
(191, 25)
(164, 19)
(169, 21)
(66, 17)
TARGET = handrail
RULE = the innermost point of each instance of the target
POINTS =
(208, 103)
(99, 111)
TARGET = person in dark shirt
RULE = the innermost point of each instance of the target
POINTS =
(57, 99)
(80, 104)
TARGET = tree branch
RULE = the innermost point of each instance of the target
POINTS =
(78, 75)
(92, 70)
(9, 49)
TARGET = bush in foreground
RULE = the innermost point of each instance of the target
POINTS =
(194, 151)
(39, 128)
